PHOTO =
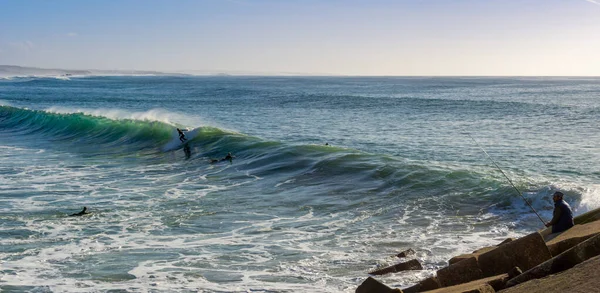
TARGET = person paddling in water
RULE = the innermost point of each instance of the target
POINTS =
(229, 158)
(181, 135)
(83, 212)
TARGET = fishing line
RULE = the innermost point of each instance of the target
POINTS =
(509, 181)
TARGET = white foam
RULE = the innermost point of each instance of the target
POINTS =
(155, 214)
(327, 252)
(590, 199)
(285, 182)
(13, 148)
(159, 115)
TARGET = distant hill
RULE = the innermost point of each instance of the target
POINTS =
(22, 71)
(12, 70)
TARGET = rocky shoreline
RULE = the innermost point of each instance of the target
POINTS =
(538, 262)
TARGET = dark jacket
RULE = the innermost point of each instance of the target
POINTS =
(562, 218)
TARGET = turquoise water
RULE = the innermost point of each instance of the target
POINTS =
(289, 213)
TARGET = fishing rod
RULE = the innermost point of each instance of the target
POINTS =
(509, 181)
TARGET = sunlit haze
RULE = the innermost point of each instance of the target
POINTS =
(427, 37)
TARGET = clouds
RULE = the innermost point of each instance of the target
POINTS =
(72, 34)
(593, 1)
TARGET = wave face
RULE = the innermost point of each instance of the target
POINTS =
(83, 129)
(309, 164)
(289, 213)
(103, 134)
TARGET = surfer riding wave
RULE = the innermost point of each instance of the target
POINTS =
(181, 135)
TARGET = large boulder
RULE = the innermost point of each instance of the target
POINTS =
(371, 285)
(507, 240)
(514, 272)
(406, 253)
(430, 283)
(588, 217)
(475, 253)
(478, 252)
(572, 237)
(403, 266)
(525, 253)
(486, 285)
(583, 251)
(416, 288)
(460, 272)
(584, 277)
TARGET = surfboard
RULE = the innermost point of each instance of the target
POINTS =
(175, 143)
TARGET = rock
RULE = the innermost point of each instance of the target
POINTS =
(514, 272)
(498, 283)
(482, 285)
(371, 285)
(406, 253)
(485, 288)
(412, 289)
(572, 237)
(475, 253)
(525, 253)
(478, 252)
(430, 283)
(507, 240)
(403, 266)
(583, 251)
(584, 277)
(460, 272)
(460, 258)
(588, 217)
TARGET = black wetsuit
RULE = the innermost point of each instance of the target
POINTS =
(181, 135)
(83, 212)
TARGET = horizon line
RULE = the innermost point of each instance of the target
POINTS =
(225, 73)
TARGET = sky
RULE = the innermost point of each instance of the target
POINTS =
(307, 37)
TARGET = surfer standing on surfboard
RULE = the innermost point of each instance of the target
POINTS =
(181, 135)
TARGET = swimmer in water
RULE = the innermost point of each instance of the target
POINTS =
(83, 212)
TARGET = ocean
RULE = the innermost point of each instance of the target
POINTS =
(331, 177)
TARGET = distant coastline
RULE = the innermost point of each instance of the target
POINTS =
(23, 71)
(11, 71)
